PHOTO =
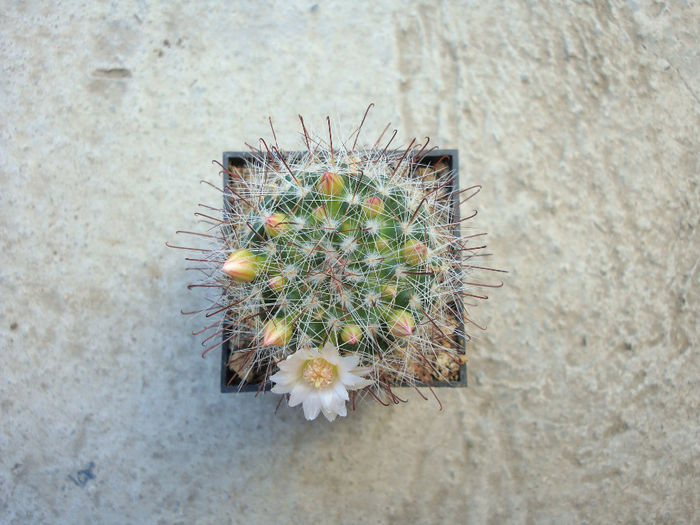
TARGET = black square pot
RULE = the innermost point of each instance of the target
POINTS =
(230, 382)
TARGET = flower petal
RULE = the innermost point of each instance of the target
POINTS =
(349, 379)
(361, 384)
(300, 392)
(340, 391)
(294, 363)
(329, 413)
(341, 410)
(312, 406)
(327, 396)
(282, 377)
(287, 364)
(330, 354)
(350, 361)
(281, 388)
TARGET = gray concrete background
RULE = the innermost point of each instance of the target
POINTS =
(579, 119)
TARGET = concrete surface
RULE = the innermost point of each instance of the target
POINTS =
(580, 119)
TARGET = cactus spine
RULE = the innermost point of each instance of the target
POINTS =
(353, 247)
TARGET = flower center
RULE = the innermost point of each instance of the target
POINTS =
(319, 372)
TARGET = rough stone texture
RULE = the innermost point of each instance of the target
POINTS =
(579, 119)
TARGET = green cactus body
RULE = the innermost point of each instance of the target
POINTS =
(356, 248)
(332, 242)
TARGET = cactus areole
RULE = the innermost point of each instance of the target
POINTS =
(337, 246)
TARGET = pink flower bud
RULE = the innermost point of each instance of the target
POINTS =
(277, 282)
(414, 252)
(401, 323)
(277, 332)
(330, 183)
(373, 206)
(276, 224)
(351, 334)
(242, 266)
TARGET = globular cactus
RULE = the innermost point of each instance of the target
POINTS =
(350, 247)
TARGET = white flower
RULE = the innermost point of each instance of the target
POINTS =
(320, 380)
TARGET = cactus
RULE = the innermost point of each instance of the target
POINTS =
(353, 247)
